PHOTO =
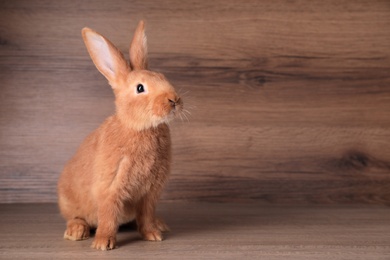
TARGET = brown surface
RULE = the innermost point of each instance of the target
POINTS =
(290, 100)
(212, 231)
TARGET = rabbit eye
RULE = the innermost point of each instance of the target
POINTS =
(140, 88)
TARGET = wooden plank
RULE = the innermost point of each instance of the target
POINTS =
(212, 231)
(289, 101)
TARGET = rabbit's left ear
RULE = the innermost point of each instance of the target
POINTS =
(138, 49)
(107, 58)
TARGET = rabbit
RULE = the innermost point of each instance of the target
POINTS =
(118, 172)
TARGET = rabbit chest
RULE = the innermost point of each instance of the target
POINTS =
(134, 163)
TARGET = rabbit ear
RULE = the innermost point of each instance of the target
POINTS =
(106, 57)
(138, 49)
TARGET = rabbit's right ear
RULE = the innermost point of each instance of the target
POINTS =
(106, 57)
(138, 49)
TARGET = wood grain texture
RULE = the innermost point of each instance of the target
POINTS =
(290, 100)
(211, 231)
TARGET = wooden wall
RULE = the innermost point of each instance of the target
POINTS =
(290, 100)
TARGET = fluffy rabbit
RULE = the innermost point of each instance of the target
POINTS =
(119, 170)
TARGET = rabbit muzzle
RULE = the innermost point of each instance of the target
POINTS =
(176, 103)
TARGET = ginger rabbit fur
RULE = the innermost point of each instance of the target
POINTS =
(119, 170)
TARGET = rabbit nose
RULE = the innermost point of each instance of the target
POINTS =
(174, 103)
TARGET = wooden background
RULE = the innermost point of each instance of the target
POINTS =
(290, 100)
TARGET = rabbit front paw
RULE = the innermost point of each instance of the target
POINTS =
(154, 235)
(104, 243)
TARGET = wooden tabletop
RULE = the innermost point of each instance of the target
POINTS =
(211, 231)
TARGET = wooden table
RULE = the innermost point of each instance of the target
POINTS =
(213, 231)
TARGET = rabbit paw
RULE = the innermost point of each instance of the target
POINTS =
(154, 235)
(77, 229)
(104, 243)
